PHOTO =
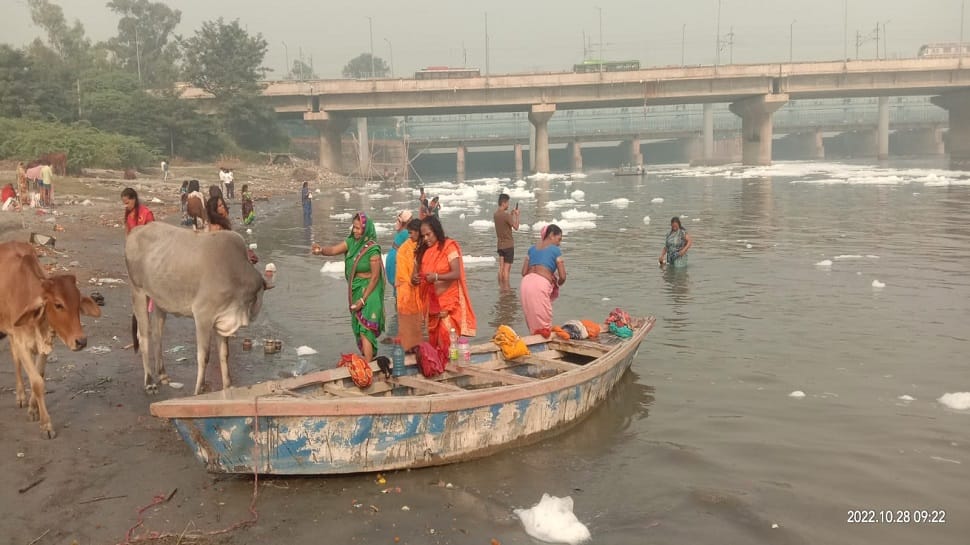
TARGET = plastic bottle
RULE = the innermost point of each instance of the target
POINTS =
(465, 351)
(397, 357)
(453, 347)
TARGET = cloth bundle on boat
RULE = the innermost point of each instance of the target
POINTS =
(360, 371)
(575, 329)
(619, 323)
(511, 344)
(430, 360)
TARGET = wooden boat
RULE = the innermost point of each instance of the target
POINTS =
(321, 423)
(630, 170)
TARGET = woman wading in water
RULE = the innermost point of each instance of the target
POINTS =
(675, 246)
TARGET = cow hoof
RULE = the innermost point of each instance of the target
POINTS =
(49, 430)
(21, 402)
(163, 379)
(151, 389)
(33, 414)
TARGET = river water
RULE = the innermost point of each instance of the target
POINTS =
(703, 441)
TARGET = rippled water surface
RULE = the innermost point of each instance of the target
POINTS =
(702, 442)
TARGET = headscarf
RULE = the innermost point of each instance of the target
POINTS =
(367, 244)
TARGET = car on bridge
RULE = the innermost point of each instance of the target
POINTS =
(942, 50)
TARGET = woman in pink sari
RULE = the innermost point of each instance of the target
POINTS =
(443, 286)
(542, 273)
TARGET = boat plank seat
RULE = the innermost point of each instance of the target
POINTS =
(421, 383)
(340, 391)
(501, 376)
(583, 348)
(546, 363)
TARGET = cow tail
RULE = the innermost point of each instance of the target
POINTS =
(134, 333)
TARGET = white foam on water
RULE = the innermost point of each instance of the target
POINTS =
(870, 256)
(848, 256)
(594, 206)
(378, 195)
(552, 520)
(695, 219)
(520, 193)
(646, 220)
(341, 216)
(462, 216)
(525, 227)
(906, 398)
(346, 194)
(520, 183)
(957, 400)
(384, 227)
(578, 175)
(546, 176)
(824, 264)
(657, 200)
(482, 224)
(333, 268)
(878, 285)
(561, 203)
(748, 246)
(605, 299)
(578, 195)
(574, 214)
(473, 260)
(305, 351)
(621, 202)
(798, 394)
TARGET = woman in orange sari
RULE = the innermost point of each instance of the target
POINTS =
(443, 286)
(411, 307)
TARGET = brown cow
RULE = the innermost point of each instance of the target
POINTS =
(33, 310)
(57, 161)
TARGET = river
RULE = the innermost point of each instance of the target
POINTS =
(846, 282)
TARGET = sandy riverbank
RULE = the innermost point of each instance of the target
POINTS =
(110, 457)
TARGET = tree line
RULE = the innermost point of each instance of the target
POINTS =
(126, 85)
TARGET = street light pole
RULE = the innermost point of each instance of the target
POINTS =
(683, 45)
(717, 38)
(286, 59)
(486, 44)
(370, 25)
(791, 40)
(601, 36)
(845, 30)
(391, 50)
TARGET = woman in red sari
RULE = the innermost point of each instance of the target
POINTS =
(443, 286)
(135, 212)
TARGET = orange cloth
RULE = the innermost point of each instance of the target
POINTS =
(411, 307)
(591, 328)
(448, 297)
(560, 333)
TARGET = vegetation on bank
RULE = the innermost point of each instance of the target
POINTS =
(85, 146)
(114, 104)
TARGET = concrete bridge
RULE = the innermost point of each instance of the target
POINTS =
(754, 93)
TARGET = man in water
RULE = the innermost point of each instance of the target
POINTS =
(505, 223)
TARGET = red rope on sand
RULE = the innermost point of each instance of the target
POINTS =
(160, 499)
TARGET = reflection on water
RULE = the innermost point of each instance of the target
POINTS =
(506, 309)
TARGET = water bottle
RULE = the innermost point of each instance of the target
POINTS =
(453, 346)
(465, 350)
(397, 356)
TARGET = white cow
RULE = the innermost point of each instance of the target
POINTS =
(207, 276)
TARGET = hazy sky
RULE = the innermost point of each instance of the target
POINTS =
(539, 34)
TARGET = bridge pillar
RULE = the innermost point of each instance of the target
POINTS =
(957, 105)
(575, 156)
(331, 128)
(882, 129)
(928, 141)
(539, 116)
(756, 128)
(460, 152)
(517, 152)
(363, 146)
(708, 132)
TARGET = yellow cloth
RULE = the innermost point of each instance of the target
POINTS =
(512, 346)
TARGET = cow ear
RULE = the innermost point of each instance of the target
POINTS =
(89, 307)
(32, 313)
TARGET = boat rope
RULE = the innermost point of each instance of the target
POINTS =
(159, 499)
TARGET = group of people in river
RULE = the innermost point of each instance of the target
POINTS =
(424, 267)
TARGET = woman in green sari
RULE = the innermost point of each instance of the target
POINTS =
(675, 245)
(364, 271)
